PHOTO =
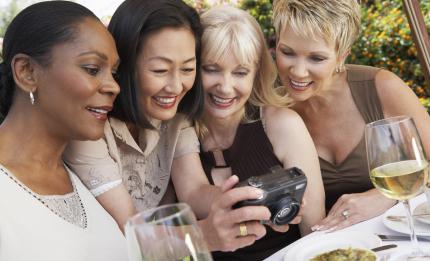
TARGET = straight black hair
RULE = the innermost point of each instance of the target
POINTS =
(34, 32)
(131, 23)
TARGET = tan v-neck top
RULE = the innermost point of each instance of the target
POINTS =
(352, 174)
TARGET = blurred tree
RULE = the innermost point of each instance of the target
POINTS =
(385, 41)
(7, 14)
(199, 5)
(11, 9)
(262, 11)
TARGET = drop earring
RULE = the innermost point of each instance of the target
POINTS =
(32, 98)
(340, 68)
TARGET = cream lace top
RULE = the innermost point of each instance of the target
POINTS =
(69, 206)
(50, 228)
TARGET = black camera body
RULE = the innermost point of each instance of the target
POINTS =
(283, 190)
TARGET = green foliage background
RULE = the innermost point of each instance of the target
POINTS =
(6, 16)
(262, 11)
(386, 41)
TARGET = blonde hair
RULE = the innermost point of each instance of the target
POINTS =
(227, 30)
(337, 21)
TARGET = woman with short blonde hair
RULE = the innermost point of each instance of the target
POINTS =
(337, 21)
(314, 37)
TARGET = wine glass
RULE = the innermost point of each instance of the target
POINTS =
(398, 165)
(168, 232)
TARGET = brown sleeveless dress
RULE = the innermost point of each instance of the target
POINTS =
(251, 154)
(352, 174)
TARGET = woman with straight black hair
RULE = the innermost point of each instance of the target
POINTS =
(149, 143)
(130, 34)
(56, 84)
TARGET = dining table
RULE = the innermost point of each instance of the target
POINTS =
(375, 226)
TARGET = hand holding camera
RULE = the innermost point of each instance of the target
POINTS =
(222, 226)
(283, 190)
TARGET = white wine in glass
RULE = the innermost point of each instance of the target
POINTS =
(400, 180)
(398, 165)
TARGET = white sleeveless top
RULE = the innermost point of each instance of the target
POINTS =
(29, 230)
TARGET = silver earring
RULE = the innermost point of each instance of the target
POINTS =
(337, 69)
(31, 98)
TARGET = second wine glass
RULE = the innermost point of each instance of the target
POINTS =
(168, 232)
(398, 165)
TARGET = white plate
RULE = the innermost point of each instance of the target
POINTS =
(402, 255)
(422, 209)
(421, 229)
(320, 242)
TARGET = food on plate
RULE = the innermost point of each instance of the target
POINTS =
(349, 254)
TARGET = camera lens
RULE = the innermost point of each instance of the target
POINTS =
(285, 211)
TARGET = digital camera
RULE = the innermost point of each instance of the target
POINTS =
(283, 190)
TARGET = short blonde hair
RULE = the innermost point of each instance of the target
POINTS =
(337, 21)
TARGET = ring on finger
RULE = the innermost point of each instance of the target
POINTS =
(243, 230)
(345, 214)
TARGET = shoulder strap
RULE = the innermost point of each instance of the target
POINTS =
(361, 80)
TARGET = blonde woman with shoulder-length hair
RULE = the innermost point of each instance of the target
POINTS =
(251, 48)
(246, 127)
(314, 37)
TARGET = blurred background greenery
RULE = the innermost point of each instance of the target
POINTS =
(385, 40)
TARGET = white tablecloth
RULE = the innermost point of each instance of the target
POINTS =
(375, 226)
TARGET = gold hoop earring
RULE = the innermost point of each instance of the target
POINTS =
(32, 100)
